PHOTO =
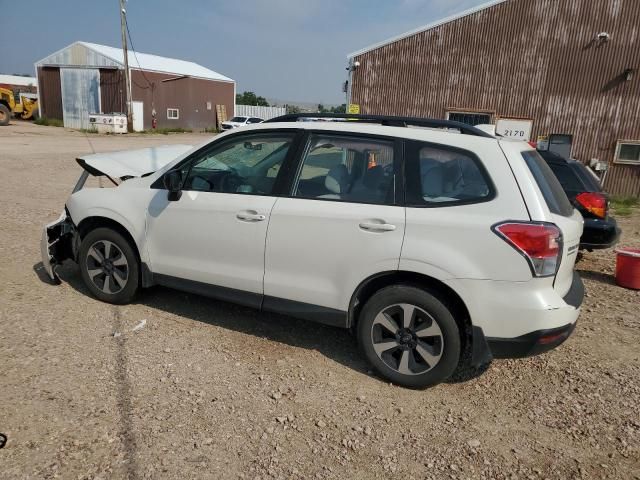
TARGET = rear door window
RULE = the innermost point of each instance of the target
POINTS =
(348, 169)
(549, 185)
(438, 175)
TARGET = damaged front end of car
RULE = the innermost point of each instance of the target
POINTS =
(60, 238)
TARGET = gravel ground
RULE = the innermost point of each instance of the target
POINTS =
(205, 389)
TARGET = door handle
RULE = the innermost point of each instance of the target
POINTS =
(377, 227)
(250, 216)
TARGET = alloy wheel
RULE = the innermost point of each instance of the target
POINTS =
(407, 339)
(107, 266)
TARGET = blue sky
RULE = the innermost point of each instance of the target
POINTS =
(285, 49)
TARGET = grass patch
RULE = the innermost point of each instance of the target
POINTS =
(167, 131)
(624, 206)
(49, 122)
(88, 130)
(210, 130)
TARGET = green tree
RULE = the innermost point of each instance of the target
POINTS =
(339, 109)
(250, 98)
(293, 109)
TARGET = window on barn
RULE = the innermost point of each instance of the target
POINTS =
(173, 113)
(470, 118)
(628, 152)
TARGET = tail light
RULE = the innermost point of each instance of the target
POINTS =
(533, 144)
(539, 243)
(593, 202)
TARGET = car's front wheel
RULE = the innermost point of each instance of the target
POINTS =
(109, 266)
(409, 336)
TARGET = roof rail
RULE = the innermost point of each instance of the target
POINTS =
(387, 120)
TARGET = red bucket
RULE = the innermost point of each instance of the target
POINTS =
(628, 267)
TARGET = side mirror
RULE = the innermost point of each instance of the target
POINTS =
(173, 182)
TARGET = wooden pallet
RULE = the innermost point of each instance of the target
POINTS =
(221, 115)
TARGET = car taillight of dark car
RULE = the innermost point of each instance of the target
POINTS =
(594, 203)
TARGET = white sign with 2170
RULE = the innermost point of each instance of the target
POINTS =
(514, 128)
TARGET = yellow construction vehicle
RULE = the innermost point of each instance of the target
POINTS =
(24, 105)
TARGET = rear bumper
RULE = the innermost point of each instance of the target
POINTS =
(534, 342)
(599, 233)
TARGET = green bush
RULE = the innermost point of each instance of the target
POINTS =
(51, 122)
(166, 131)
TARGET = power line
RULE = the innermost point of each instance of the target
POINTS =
(133, 49)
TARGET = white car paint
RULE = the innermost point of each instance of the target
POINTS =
(225, 246)
(134, 163)
(336, 252)
(316, 253)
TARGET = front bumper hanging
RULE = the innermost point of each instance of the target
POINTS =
(56, 244)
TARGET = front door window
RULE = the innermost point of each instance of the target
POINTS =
(247, 165)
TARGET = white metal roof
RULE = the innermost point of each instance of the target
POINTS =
(424, 28)
(146, 61)
(18, 80)
(94, 54)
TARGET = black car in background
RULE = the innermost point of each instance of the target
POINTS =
(585, 192)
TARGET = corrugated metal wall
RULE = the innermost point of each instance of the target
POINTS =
(49, 92)
(265, 113)
(113, 96)
(537, 59)
(195, 98)
(80, 95)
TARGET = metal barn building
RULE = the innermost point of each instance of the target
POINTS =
(85, 78)
(564, 67)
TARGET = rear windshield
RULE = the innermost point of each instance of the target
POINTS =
(549, 185)
(588, 178)
(238, 119)
(567, 177)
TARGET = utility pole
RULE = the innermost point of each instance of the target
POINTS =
(125, 51)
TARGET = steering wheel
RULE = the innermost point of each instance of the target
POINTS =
(230, 181)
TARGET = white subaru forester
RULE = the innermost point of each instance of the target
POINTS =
(441, 246)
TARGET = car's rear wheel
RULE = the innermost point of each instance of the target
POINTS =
(109, 266)
(409, 336)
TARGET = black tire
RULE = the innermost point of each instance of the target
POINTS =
(123, 280)
(35, 115)
(429, 315)
(5, 115)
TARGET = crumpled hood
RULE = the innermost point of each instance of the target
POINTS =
(132, 163)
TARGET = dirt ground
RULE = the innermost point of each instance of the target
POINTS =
(210, 390)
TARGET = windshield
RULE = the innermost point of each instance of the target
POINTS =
(238, 119)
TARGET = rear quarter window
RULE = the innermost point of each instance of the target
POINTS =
(439, 175)
(554, 196)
